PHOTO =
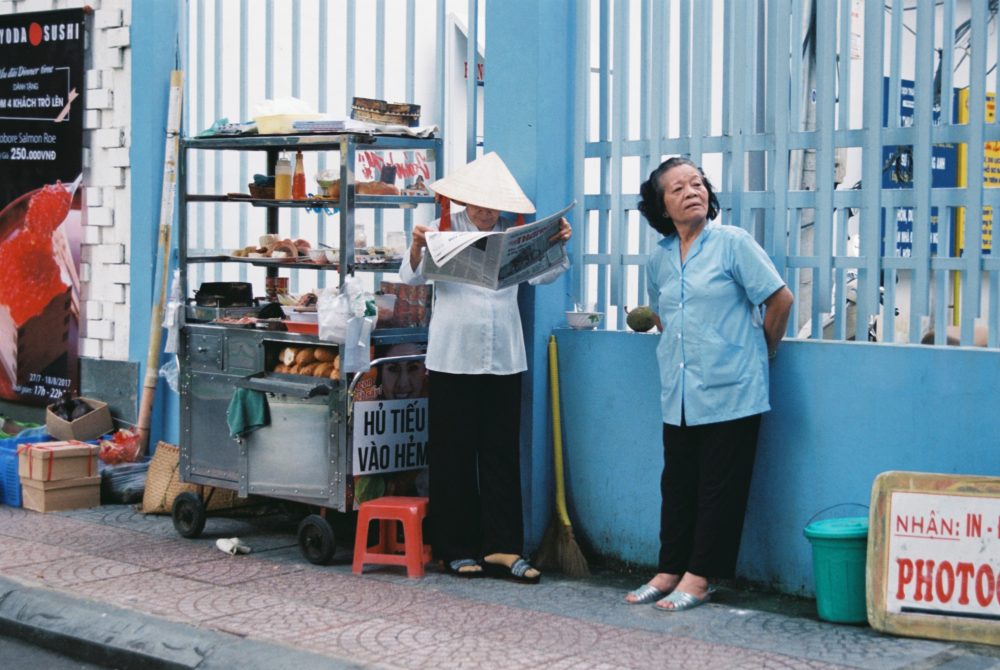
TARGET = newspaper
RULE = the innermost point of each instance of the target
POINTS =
(496, 260)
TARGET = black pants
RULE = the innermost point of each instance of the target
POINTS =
(705, 484)
(475, 473)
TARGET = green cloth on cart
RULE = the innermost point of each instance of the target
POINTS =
(247, 412)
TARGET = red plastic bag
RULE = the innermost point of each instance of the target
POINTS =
(122, 447)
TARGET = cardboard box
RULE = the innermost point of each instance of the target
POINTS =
(62, 494)
(54, 461)
(90, 426)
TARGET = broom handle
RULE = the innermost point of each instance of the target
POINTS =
(557, 452)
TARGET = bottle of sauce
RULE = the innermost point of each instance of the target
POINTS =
(299, 178)
(283, 179)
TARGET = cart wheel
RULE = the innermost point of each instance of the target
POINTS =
(316, 540)
(188, 515)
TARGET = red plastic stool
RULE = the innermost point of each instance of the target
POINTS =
(387, 510)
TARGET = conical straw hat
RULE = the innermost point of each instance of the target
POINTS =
(485, 182)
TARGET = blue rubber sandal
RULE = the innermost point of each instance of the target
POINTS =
(680, 601)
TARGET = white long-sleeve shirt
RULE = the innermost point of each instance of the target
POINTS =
(473, 330)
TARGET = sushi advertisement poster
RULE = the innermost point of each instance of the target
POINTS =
(41, 212)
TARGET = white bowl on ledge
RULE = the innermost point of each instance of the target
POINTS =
(584, 320)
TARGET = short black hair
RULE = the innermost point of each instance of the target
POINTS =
(651, 196)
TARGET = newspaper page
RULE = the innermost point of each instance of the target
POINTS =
(496, 260)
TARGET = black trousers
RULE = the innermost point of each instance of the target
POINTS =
(475, 471)
(705, 484)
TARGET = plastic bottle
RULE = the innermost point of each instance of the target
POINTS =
(299, 178)
(283, 179)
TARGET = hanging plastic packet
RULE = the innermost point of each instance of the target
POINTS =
(172, 315)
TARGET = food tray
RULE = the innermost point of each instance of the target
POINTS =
(304, 327)
(380, 111)
(202, 313)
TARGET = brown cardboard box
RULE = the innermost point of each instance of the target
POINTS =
(53, 461)
(61, 494)
(90, 426)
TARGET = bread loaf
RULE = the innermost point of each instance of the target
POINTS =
(304, 355)
(287, 356)
(376, 188)
(307, 369)
(325, 354)
(322, 369)
(280, 367)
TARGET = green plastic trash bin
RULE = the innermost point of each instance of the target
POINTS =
(839, 549)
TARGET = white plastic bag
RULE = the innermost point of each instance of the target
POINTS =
(335, 308)
(356, 352)
(170, 371)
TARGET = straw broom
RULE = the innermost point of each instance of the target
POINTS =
(559, 549)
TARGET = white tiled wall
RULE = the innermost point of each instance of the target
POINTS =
(104, 327)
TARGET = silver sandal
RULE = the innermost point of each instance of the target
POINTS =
(646, 593)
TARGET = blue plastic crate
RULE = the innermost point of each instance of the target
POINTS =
(10, 483)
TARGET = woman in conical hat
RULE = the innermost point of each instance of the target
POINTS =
(475, 357)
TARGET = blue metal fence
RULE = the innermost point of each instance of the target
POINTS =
(792, 107)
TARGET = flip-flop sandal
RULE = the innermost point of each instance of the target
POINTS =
(681, 601)
(517, 572)
(455, 568)
(647, 593)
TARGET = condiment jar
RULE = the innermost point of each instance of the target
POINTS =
(283, 178)
(299, 178)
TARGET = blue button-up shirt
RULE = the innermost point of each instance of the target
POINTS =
(712, 352)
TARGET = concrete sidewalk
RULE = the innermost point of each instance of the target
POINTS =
(122, 588)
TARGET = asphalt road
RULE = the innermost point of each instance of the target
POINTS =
(16, 653)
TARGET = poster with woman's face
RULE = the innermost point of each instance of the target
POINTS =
(390, 425)
(41, 210)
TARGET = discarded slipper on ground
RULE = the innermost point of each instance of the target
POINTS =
(647, 593)
(516, 572)
(232, 545)
(680, 601)
(455, 568)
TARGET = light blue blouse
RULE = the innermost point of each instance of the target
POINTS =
(712, 352)
(473, 330)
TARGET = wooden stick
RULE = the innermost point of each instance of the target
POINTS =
(163, 255)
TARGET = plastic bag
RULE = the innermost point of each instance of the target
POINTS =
(124, 483)
(121, 447)
(172, 315)
(170, 371)
(335, 308)
(356, 351)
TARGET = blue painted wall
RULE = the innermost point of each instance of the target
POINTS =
(153, 47)
(841, 414)
(529, 79)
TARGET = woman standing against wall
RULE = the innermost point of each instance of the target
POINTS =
(707, 283)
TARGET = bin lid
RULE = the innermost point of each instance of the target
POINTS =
(845, 529)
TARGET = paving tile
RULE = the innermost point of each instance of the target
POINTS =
(67, 571)
(16, 551)
(173, 597)
(226, 570)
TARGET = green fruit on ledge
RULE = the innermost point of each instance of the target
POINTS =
(641, 319)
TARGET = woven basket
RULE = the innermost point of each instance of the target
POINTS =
(163, 484)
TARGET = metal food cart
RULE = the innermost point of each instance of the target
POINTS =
(305, 454)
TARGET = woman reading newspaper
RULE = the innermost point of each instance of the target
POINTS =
(475, 357)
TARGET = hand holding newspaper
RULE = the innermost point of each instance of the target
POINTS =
(496, 260)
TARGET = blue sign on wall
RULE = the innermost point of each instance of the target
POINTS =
(897, 170)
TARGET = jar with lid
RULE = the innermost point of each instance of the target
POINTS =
(283, 178)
